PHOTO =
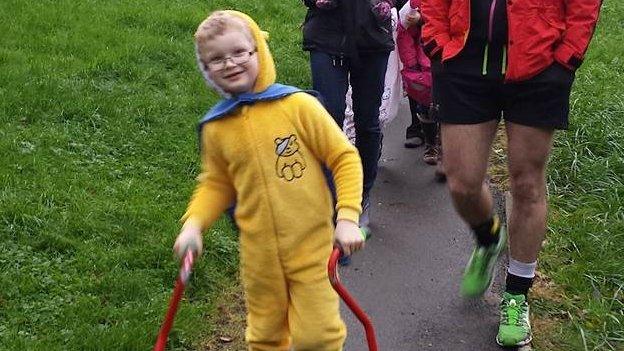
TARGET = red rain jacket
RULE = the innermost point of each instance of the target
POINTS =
(539, 32)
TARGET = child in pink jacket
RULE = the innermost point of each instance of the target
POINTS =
(417, 79)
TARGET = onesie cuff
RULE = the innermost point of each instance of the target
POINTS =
(348, 214)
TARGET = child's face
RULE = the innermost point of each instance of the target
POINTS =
(231, 61)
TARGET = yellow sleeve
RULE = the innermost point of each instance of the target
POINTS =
(331, 146)
(214, 192)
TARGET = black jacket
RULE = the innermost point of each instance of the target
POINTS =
(348, 30)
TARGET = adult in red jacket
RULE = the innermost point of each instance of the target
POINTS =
(513, 59)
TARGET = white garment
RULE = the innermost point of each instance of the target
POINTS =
(393, 90)
(405, 11)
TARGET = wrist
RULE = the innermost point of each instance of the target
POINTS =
(346, 222)
(192, 226)
(348, 214)
(566, 55)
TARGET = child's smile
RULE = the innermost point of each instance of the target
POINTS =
(231, 61)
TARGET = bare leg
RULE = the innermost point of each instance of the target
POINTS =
(528, 151)
(466, 150)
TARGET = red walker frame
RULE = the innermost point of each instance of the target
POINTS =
(332, 268)
(185, 273)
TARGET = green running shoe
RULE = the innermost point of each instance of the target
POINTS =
(514, 328)
(479, 272)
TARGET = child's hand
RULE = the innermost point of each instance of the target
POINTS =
(349, 236)
(190, 238)
(326, 4)
(381, 10)
(413, 18)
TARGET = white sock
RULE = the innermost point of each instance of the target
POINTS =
(521, 269)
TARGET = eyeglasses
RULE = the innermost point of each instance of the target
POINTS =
(238, 58)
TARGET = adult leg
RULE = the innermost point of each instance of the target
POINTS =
(367, 82)
(466, 150)
(528, 151)
(331, 79)
(534, 109)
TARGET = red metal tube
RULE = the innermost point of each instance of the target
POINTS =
(178, 291)
(334, 279)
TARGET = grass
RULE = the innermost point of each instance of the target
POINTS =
(585, 243)
(98, 105)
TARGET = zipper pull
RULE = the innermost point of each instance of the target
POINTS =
(504, 60)
(485, 59)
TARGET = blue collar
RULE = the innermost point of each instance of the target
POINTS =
(225, 106)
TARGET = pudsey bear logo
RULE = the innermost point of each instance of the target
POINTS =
(290, 163)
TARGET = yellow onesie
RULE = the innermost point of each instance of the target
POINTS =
(267, 158)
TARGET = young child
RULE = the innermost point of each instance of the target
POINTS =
(263, 147)
(417, 80)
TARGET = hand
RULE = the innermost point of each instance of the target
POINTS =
(349, 236)
(326, 4)
(190, 238)
(381, 10)
(413, 17)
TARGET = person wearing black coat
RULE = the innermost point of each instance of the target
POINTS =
(349, 42)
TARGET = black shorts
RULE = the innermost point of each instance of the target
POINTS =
(542, 101)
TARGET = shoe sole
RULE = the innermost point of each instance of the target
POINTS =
(520, 344)
(410, 143)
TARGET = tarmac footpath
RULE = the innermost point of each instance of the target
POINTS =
(407, 278)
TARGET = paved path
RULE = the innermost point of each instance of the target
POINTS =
(407, 278)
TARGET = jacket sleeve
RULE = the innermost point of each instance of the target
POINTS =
(435, 30)
(581, 17)
(406, 47)
(214, 192)
(332, 148)
(309, 3)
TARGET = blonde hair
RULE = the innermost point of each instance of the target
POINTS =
(218, 23)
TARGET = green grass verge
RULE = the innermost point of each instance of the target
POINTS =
(98, 108)
(586, 182)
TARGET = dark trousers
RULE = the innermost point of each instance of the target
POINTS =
(331, 77)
